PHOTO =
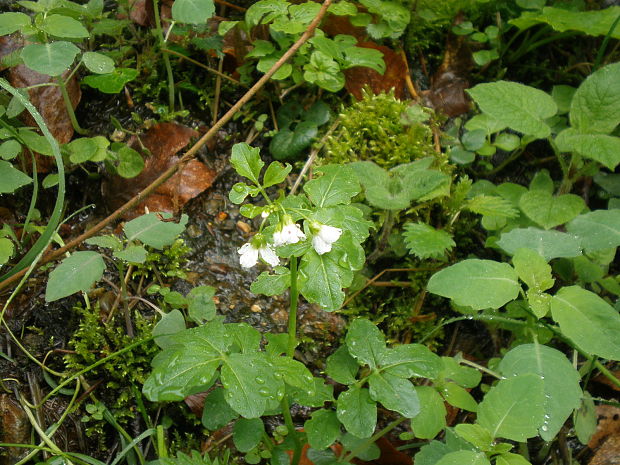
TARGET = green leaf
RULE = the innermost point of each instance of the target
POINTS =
(272, 284)
(111, 83)
(217, 413)
(365, 342)
(53, 59)
(476, 435)
(594, 23)
(549, 211)
(98, 62)
(323, 429)
(363, 450)
(585, 419)
(394, 393)
(597, 230)
(492, 205)
(560, 382)
(6, 250)
(132, 254)
(75, 273)
(247, 162)
(458, 397)
(11, 22)
(599, 147)
(168, 327)
(248, 433)
(10, 149)
(464, 457)
(519, 107)
(507, 142)
(265, 11)
(153, 232)
(549, 244)
(424, 241)
(508, 458)
(366, 57)
(411, 360)
(11, 178)
(130, 162)
(192, 11)
(590, 322)
(476, 283)
(87, 148)
(432, 417)
(464, 376)
(595, 107)
(293, 373)
(341, 366)
(288, 144)
(276, 173)
(563, 96)
(323, 285)
(240, 191)
(320, 393)
(533, 270)
(357, 412)
(201, 307)
(63, 26)
(336, 186)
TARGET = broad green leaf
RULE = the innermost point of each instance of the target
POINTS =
(599, 147)
(53, 58)
(507, 142)
(316, 396)
(394, 393)
(247, 162)
(337, 185)
(113, 82)
(492, 205)
(166, 329)
(10, 149)
(464, 376)
(6, 250)
(12, 21)
(323, 429)
(549, 211)
(35, 142)
(272, 284)
(217, 413)
(265, 11)
(483, 121)
(431, 453)
(363, 450)
(63, 26)
(560, 382)
(132, 254)
(107, 241)
(323, 285)
(590, 322)
(11, 178)
(357, 412)
(192, 11)
(276, 173)
(246, 339)
(597, 230)
(366, 57)
(293, 373)
(98, 62)
(341, 366)
(248, 433)
(365, 342)
(411, 360)
(87, 148)
(542, 181)
(75, 273)
(130, 162)
(533, 270)
(464, 457)
(50, 180)
(288, 144)
(514, 408)
(432, 417)
(594, 22)
(508, 458)
(153, 232)
(518, 106)
(595, 107)
(539, 302)
(240, 191)
(563, 95)
(458, 397)
(476, 283)
(201, 307)
(476, 435)
(424, 241)
(585, 419)
(549, 244)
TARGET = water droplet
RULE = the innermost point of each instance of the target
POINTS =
(280, 393)
(343, 412)
(547, 416)
(308, 378)
(277, 375)
(259, 380)
(229, 395)
(263, 392)
(310, 393)
(544, 428)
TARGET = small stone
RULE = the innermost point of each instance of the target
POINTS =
(243, 227)
(256, 308)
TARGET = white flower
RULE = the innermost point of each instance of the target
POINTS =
(288, 233)
(325, 237)
(249, 254)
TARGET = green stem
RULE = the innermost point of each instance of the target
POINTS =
(601, 51)
(69, 107)
(288, 421)
(372, 439)
(161, 39)
(292, 314)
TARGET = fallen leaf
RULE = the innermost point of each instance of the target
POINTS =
(14, 428)
(141, 12)
(196, 403)
(608, 454)
(608, 425)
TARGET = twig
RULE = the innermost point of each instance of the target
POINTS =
(234, 7)
(191, 153)
(410, 86)
(202, 65)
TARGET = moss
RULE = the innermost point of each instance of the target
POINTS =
(167, 263)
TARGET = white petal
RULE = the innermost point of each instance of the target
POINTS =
(278, 238)
(329, 233)
(320, 245)
(249, 256)
(268, 254)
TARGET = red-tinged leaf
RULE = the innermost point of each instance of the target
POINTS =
(394, 77)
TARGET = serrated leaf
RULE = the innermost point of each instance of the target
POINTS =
(476, 283)
(549, 211)
(492, 205)
(192, 11)
(248, 433)
(424, 241)
(153, 232)
(341, 366)
(432, 417)
(548, 244)
(533, 270)
(597, 230)
(11, 178)
(323, 429)
(590, 322)
(316, 396)
(75, 273)
(323, 285)
(272, 284)
(514, 408)
(394, 393)
(246, 339)
(336, 186)
(411, 360)
(52, 58)
(599, 147)
(247, 162)
(560, 382)
(365, 342)
(357, 412)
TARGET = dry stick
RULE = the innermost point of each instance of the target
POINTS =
(234, 7)
(202, 65)
(191, 153)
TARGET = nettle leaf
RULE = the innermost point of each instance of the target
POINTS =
(533, 270)
(549, 211)
(560, 382)
(599, 147)
(111, 83)
(394, 393)
(520, 107)
(424, 241)
(52, 59)
(323, 285)
(323, 429)
(597, 230)
(411, 360)
(357, 412)
(272, 284)
(63, 26)
(476, 283)
(365, 342)
(492, 205)
(514, 408)
(216, 412)
(11, 178)
(12, 21)
(98, 62)
(337, 185)
(153, 232)
(192, 11)
(595, 107)
(75, 273)
(342, 367)
(464, 457)
(548, 244)
(248, 433)
(588, 321)
(247, 162)
(432, 417)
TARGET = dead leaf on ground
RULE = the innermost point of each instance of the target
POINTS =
(609, 453)
(196, 403)
(9, 44)
(163, 141)
(394, 77)
(14, 428)
(608, 425)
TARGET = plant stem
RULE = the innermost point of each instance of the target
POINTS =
(65, 96)
(351, 455)
(162, 41)
(292, 314)
(288, 421)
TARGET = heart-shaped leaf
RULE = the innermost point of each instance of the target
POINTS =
(549, 211)
(52, 59)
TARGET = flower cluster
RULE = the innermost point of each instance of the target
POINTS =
(287, 232)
